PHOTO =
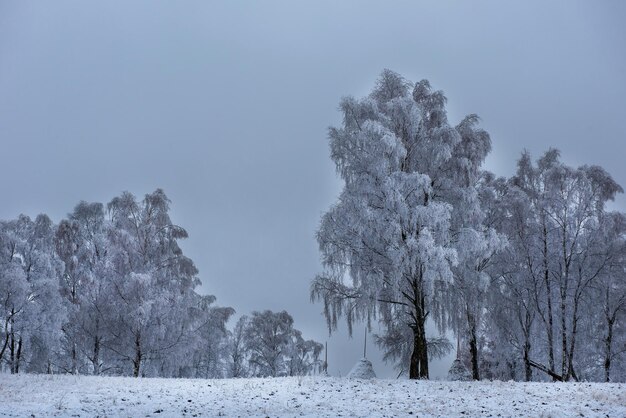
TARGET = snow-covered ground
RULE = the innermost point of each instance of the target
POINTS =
(31, 395)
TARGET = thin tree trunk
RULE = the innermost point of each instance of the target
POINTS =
(608, 341)
(415, 355)
(572, 347)
(528, 372)
(74, 358)
(12, 352)
(138, 356)
(4, 345)
(564, 355)
(96, 356)
(546, 370)
(19, 355)
(563, 290)
(546, 278)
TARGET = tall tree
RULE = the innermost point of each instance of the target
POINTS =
(513, 289)
(386, 244)
(611, 292)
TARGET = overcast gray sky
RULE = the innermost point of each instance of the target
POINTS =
(225, 105)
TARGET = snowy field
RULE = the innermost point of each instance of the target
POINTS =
(30, 395)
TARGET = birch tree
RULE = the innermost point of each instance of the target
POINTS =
(386, 244)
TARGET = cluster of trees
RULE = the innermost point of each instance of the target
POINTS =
(529, 272)
(266, 344)
(109, 291)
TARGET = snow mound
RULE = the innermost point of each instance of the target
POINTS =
(362, 370)
(458, 372)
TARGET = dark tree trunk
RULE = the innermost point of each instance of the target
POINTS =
(528, 372)
(546, 278)
(608, 341)
(4, 345)
(564, 355)
(546, 370)
(138, 356)
(415, 356)
(526, 327)
(19, 355)
(12, 352)
(74, 359)
(419, 357)
(551, 361)
(96, 356)
(565, 370)
(572, 347)
(474, 352)
(418, 368)
(423, 372)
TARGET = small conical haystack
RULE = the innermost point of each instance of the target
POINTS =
(362, 370)
(458, 371)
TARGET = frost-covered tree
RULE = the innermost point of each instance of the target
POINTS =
(511, 298)
(106, 292)
(546, 303)
(32, 311)
(302, 355)
(267, 337)
(81, 243)
(152, 277)
(568, 210)
(206, 342)
(271, 346)
(13, 289)
(237, 352)
(388, 244)
(605, 308)
(477, 243)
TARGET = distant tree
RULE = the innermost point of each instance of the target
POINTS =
(267, 336)
(302, 355)
(207, 340)
(237, 350)
(271, 346)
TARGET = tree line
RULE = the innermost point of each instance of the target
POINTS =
(109, 291)
(527, 272)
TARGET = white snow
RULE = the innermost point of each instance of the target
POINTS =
(44, 395)
(363, 369)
